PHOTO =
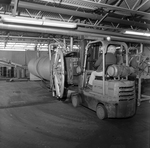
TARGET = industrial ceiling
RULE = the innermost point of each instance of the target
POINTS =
(94, 18)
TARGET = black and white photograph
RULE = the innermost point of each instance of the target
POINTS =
(74, 73)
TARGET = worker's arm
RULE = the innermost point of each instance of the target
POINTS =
(98, 62)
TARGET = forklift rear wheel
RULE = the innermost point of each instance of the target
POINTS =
(101, 111)
(75, 100)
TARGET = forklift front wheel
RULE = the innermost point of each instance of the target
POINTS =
(75, 100)
(101, 111)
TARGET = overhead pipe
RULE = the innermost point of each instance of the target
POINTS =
(38, 22)
(81, 32)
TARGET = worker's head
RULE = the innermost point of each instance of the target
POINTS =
(111, 49)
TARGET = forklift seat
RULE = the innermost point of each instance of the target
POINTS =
(101, 78)
(98, 78)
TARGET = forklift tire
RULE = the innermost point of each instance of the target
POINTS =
(101, 111)
(75, 99)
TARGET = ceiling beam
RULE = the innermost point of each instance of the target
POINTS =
(112, 7)
(15, 8)
(39, 7)
(78, 33)
(79, 14)
(93, 4)
(106, 15)
(142, 5)
(68, 4)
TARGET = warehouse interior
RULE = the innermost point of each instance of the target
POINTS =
(47, 52)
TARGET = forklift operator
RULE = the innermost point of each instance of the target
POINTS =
(110, 58)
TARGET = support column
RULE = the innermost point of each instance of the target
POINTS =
(71, 43)
(139, 77)
(82, 55)
(82, 50)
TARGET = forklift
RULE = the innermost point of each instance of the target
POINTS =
(112, 96)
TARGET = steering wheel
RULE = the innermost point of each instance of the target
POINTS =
(59, 73)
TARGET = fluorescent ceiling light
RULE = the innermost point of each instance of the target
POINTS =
(137, 33)
(147, 34)
(38, 22)
(59, 24)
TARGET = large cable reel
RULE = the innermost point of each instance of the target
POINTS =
(58, 73)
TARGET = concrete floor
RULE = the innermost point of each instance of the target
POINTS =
(31, 118)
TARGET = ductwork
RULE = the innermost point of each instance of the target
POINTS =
(37, 22)
(81, 32)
